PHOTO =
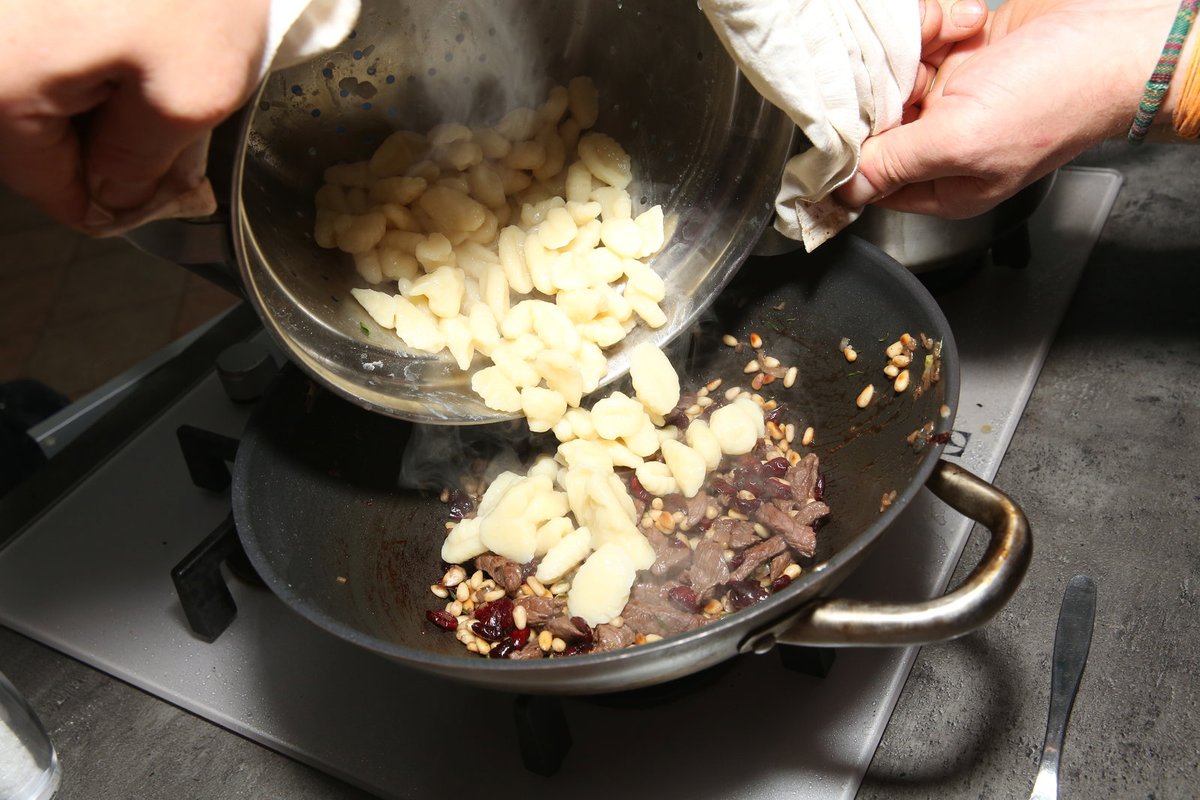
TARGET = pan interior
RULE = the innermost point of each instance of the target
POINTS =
(327, 508)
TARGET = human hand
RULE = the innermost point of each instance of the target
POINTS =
(944, 23)
(1045, 80)
(98, 100)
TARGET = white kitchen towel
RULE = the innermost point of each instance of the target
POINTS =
(296, 31)
(841, 70)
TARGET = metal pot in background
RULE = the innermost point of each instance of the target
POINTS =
(924, 243)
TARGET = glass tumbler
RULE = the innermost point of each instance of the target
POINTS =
(29, 768)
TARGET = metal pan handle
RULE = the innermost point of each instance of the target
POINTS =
(864, 623)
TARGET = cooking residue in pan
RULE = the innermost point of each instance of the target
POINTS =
(657, 514)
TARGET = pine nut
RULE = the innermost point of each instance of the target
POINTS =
(789, 433)
(484, 647)
(462, 592)
(545, 640)
(494, 595)
(902, 360)
(793, 571)
(770, 362)
(894, 349)
(439, 591)
(477, 579)
(864, 397)
(558, 645)
(617, 621)
(729, 340)
(891, 370)
(454, 576)
(901, 382)
(520, 617)
(755, 341)
(454, 609)
(789, 379)
(807, 438)
(713, 607)
(751, 366)
(756, 383)
(851, 354)
(653, 637)
(713, 385)
(560, 588)
(732, 392)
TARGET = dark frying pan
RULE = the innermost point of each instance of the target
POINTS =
(321, 511)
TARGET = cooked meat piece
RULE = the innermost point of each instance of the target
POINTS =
(734, 533)
(540, 609)
(753, 556)
(708, 566)
(506, 573)
(798, 535)
(610, 638)
(808, 514)
(652, 593)
(779, 563)
(563, 627)
(693, 508)
(662, 620)
(803, 477)
(670, 560)
(529, 652)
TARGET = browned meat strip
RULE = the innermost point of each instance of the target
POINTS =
(812, 512)
(803, 477)
(670, 552)
(753, 556)
(734, 533)
(693, 508)
(610, 638)
(565, 629)
(540, 609)
(779, 563)
(798, 535)
(662, 620)
(508, 574)
(708, 566)
(529, 652)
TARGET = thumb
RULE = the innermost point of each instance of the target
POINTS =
(911, 153)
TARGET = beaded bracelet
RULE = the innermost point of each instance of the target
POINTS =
(1186, 120)
(1160, 79)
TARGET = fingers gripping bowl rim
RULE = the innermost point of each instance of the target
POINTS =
(704, 145)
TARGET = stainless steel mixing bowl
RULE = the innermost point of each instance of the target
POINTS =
(704, 144)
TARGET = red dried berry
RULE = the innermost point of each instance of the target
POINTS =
(777, 467)
(819, 487)
(639, 491)
(578, 649)
(684, 597)
(779, 583)
(743, 594)
(443, 619)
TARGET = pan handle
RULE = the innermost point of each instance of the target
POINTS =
(835, 622)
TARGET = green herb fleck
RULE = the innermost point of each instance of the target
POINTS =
(856, 372)
(365, 330)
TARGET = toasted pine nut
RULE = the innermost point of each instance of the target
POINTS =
(462, 592)
(851, 354)
(770, 362)
(789, 433)
(793, 457)
(617, 621)
(751, 366)
(756, 382)
(894, 349)
(713, 606)
(944, 411)
(558, 645)
(793, 571)
(712, 386)
(454, 576)
(807, 438)
(545, 640)
(901, 382)
(477, 579)
(732, 392)
(891, 370)
(520, 617)
(454, 608)
(774, 431)
(789, 379)
(493, 595)
(729, 340)
(907, 341)
(653, 637)
(755, 341)
(439, 591)
(864, 397)
(484, 647)
(536, 586)
(902, 360)
(560, 588)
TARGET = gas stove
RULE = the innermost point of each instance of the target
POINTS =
(91, 577)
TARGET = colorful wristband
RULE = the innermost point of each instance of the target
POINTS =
(1160, 79)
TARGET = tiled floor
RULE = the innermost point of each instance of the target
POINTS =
(76, 311)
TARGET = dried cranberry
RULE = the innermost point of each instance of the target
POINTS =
(743, 594)
(684, 597)
(775, 414)
(940, 438)
(744, 504)
(777, 467)
(736, 561)
(704, 524)
(585, 631)
(493, 621)
(639, 491)
(519, 637)
(460, 504)
(578, 649)
(678, 418)
(819, 523)
(779, 583)
(722, 486)
(443, 619)
(775, 489)
(510, 644)
(819, 487)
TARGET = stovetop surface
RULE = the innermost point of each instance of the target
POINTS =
(91, 578)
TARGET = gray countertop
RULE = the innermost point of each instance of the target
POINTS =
(1104, 464)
